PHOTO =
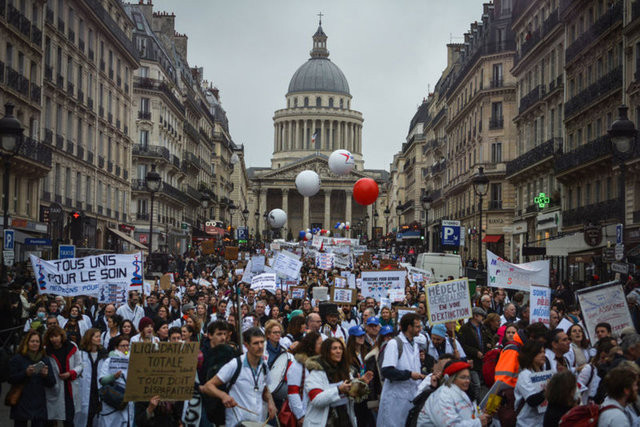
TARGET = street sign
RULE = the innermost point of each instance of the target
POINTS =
(8, 257)
(619, 252)
(66, 251)
(450, 233)
(619, 234)
(620, 267)
(9, 240)
(31, 241)
(243, 233)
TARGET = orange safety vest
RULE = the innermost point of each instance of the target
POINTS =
(508, 366)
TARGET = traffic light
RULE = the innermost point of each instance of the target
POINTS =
(76, 227)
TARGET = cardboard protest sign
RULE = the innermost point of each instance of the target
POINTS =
(113, 293)
(401, 311)
(448, 301)
(351, 280)
(84, 276)
(287, 266)
(208, 247)
(165, 282)
(340, 282)
(161, 369)
(231, 253)
(378, 283)
(503, 274)
(118, 364)
(321, 293)
(396, 295)
(344, 296)
(257, 264)
(540, 302)
(604, 303)
(264, 281)
(239, 271)
(297, 292)
(324, 261)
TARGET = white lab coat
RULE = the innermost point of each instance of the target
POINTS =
(448, 406)
(395, 401)
(84, 381)
(318, 407)
(111, 417)
(529, 416)
(295, 385)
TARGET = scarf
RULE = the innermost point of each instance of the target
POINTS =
(334, 374)
(273, 352)
(34, 357)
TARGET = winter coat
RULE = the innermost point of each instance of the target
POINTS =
(32, 404)
(449, 406)
(55, 395)
(321, 394)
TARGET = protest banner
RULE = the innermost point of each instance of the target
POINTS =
(396, 295)
(274, 246)
(208, 247)
(161, 369)
(113, 293)
(340, 282)
(448, 301)
(84, 276)
(264, 281)
(287, 265)
(344, 296)
(231, 253)
(604, 303)
(343, 261)
(378, 283)
(389, 264)
(418, 275)
(540, 302)
(321, 293)
(297, 292)
(401, 311)
(239, 271)
(503, 274)
(257, 264)
(165, 282)
(118, 364)
(324, 261)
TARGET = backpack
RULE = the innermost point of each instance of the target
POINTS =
(418, 403)
(489, 362)
(400, 345)
(584, 415)
(113, 395)
(213, 405)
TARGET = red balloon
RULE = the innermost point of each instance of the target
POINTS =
(365, 191)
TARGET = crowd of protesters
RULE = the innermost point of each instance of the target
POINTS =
(334, 365)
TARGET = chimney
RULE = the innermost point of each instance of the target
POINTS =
(146, 9)
(164, 23)
(216, 93)
(180, 41)
(453, 53)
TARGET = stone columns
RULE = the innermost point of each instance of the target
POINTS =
(327, 209)
(285, 207)
(305, 213)
(304, 135)
(322, 136)
(276, 147)
(263, 208)
(297, 139)
(349, 142)
(287, 143)
(348, 197)
(339, 142)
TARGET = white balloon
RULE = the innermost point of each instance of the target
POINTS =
(328, 233)
(347, 223)
(308, 183)
(309, 236)
(341, 162)
(277, 218)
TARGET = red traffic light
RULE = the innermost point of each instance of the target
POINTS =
(75, 215)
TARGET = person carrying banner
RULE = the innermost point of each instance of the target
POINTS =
(131, 310)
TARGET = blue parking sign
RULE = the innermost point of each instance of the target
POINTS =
(450, 233)
(9, 240)
(243, 233)
(66, 251)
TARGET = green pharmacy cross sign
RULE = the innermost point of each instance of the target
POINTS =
(542, 200)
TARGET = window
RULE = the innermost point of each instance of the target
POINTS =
(496, 152)
(67, 182)
(142, 46)
(99, 194)
(295, 102)
(496, 196)
(144, 105)
(570, 199)
(341, 103)
(598, 190)
(306, 101)
(88, 192)
(78, 187)
(318, 101)
(496, 110)
(578, 196)
(331, 102)
(497, 75)
(137, 18)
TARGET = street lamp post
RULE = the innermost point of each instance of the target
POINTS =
(10, 140)
(245, 215)
(426, 205)
(232, 210)
(398, 214)
(366, 225)
(623, 139)
(257, 217)
(387, 213)
(153, 182)
(480, 186)
(266, 231)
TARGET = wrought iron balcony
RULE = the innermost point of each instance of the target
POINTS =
(48, 136)
(61, 25)
(142, 216)
(80, 152)
(190, 130)
(496, 123)
(35, 93)
(48, 73)
(59, 142)
(496, 83)
(174, 193)
(32, 150)
(495, 204)
(70, 146)
(160, 86)
(36, 35)
(193, 193)
(533, 156)
(190, 159)
(60, 81)
(152, 151)
(531, 98)
(81, 45)
(109, 166)
(89, 157)
(100, 162)
(605, 84)
(118, 169)
(90, 103)
(609, 19)
(594, 213)
(175, 160)
(80, 96)
(125, 174)
(144, 115)
(598, 148)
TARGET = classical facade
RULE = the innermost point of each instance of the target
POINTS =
(317, 120)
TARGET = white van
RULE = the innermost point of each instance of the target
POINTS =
(442, 265)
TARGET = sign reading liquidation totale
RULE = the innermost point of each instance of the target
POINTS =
(448, 301)
(85, 276)
(161, 369)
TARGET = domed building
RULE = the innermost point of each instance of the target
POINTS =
(317, 120)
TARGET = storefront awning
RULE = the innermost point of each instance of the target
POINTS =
(492, 238)
(128, 238)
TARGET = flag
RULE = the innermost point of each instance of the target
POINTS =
(313, 137)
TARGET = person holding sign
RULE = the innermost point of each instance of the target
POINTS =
(244, 398)
(529, 392)
(110, 376)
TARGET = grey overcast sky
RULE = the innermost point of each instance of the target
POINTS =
(389, 50)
